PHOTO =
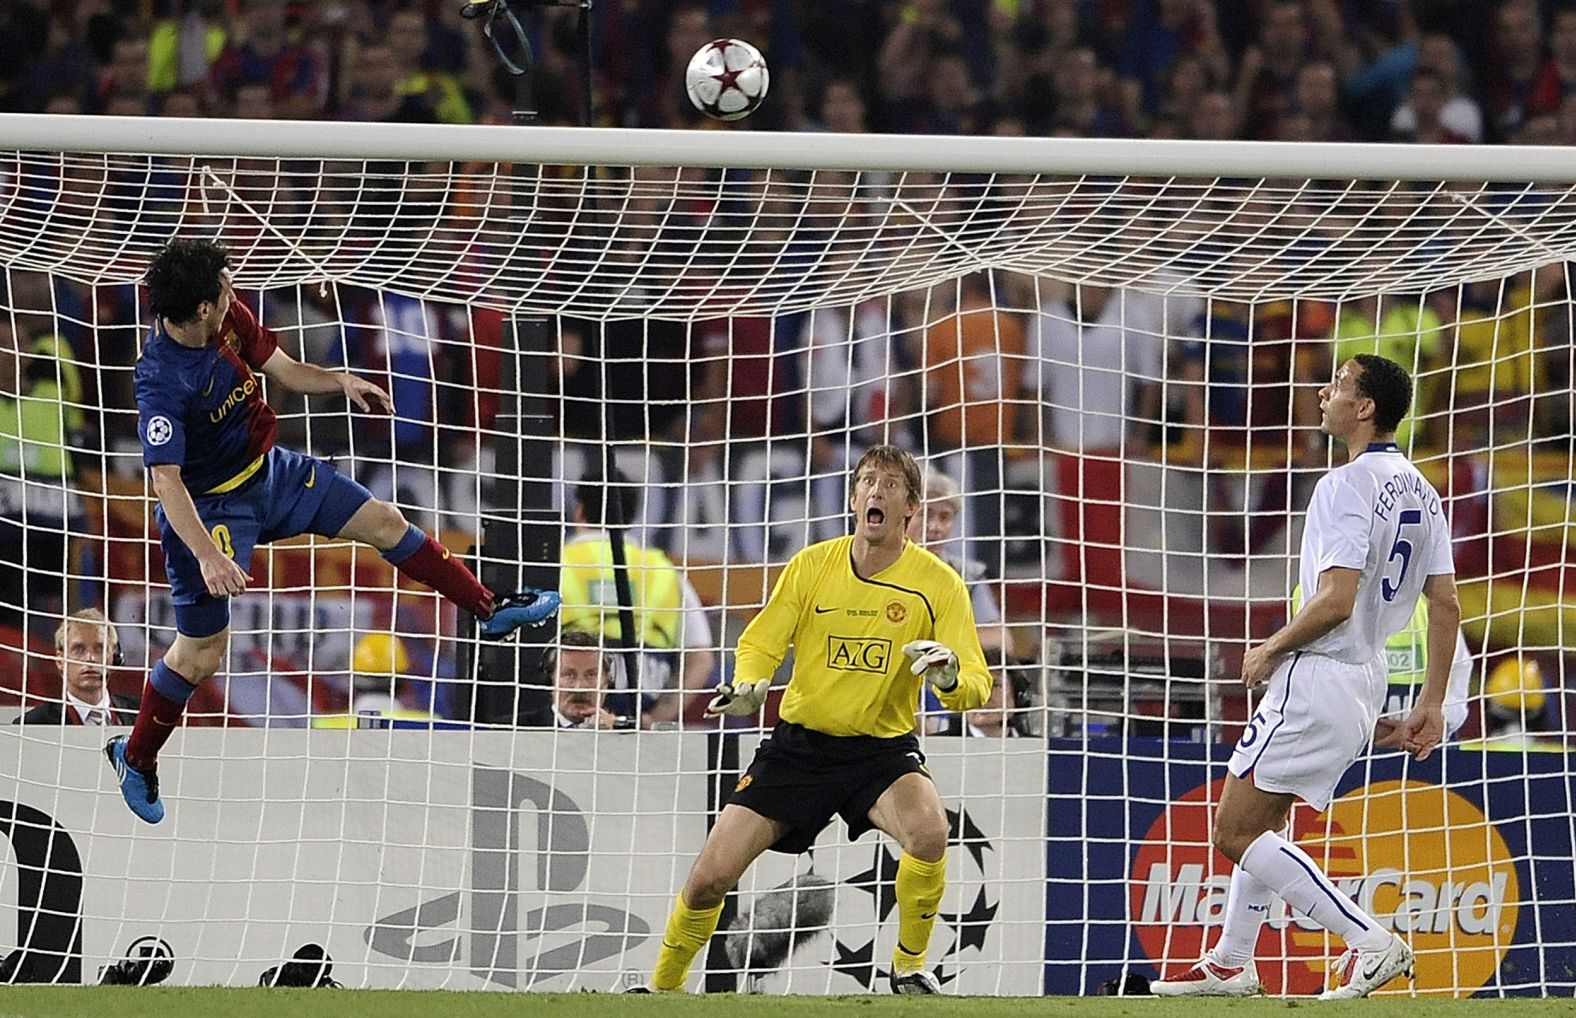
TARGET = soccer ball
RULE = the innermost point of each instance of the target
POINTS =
(727, 79)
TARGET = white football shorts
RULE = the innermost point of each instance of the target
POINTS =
(1316, 718)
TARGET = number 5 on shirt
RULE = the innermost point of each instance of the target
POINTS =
(1403, 548)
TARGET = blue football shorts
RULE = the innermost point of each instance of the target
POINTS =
(290, 494)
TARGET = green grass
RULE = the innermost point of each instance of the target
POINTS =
(220, 1002)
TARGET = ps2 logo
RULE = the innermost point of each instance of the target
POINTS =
(572, 935)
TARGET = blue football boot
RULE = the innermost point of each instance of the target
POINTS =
(139, 788)
(525, 607)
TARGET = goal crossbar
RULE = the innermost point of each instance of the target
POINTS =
(579, 146)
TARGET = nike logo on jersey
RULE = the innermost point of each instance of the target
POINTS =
(445, 554)
(209, 389)
(311, 478)
(822, 611)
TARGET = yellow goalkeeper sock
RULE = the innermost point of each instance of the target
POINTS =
(919, 887)
(688, 931)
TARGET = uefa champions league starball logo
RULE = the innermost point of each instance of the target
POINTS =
(159, 430)
(959, 935)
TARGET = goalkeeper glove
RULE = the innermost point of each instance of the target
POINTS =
(739, 699)
(935, 661)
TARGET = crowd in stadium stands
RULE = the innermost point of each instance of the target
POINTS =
(1320, 70)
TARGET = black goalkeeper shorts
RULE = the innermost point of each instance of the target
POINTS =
(802, 778)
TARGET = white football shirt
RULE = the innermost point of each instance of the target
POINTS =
(1379, 515)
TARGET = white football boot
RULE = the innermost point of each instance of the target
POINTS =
(1363, 972)
(1210, 978)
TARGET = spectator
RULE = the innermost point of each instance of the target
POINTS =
(1003, 716)
(657, 97)
(925, 31)
(1517, 709)
(188, 104)
(671, 630)
(1027, 62)
(933, 527)
(953, 105)
(1268, 72)
(86, 648)
(381, 684)
(408, 37)
(1214, 118)
(1095, 365)
(1159, 35)
(370, 90)
(379, 667)
(1084, 91)
(1408, 331)
(1556, 81)
(255, 101)
(1460, 114)
(1515, 70)
(126, 77)
(40, 393)
(405, 336)
(1249, 399)
(182, 48)
(849, 366)
(261, 50)
(581, 671)
(842, 107)
(744, 401)
(971, 398)
(1495, 370)
(1318, 98)
(1426, 98)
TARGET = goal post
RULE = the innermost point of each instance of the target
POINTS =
(1113, 351)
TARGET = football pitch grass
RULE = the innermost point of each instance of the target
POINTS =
(222, 1002)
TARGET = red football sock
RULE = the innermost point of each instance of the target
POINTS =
(433, 565)
(157, 720)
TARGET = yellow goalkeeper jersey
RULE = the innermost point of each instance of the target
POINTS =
(850, 676)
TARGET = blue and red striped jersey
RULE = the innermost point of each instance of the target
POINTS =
(203, 409)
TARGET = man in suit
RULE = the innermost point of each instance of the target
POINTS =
(87, 647)
(581, 671)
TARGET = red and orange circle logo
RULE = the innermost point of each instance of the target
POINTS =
(1423, 860)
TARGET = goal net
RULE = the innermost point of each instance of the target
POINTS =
(1106, 356)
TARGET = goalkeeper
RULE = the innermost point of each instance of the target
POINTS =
(870, 616)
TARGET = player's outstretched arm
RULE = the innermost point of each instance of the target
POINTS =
(313, 380)
(221, 574)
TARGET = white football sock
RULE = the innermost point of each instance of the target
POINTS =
(1291, 873)
(1247, 906)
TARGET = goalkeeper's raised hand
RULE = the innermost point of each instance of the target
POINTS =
(739, 699)
(935, 661)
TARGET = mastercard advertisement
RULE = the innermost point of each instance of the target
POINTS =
(1467, 856)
